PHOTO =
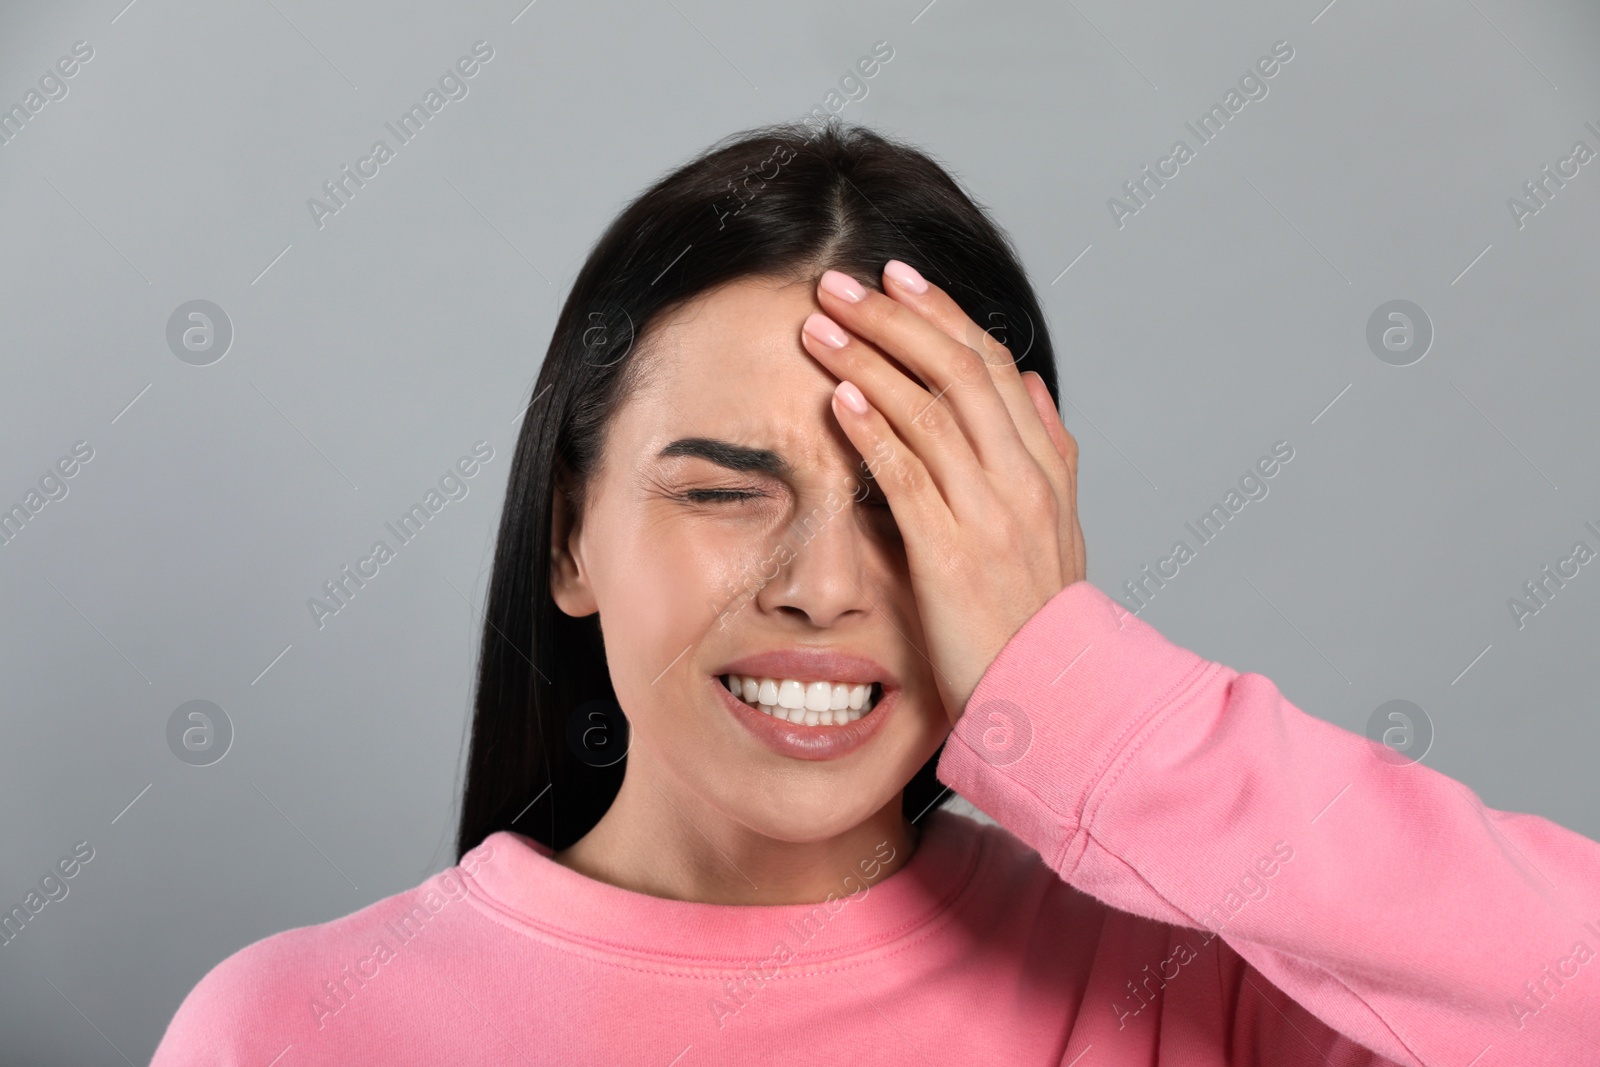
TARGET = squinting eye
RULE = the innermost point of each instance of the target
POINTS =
(712, 496)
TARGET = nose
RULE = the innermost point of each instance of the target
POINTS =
(824, 581)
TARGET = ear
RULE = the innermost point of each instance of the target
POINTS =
(569, 577)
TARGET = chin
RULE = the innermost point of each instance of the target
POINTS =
(807, 820)
(807, 802)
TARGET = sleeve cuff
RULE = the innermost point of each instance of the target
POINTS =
(1070, 693)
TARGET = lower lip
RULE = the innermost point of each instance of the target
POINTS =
(798, 741)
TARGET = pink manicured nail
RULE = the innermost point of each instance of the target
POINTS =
(851, 397)
(842, 286)
(906, 275)
(825, 330)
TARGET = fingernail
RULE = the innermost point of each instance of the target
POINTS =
(825, 330)
(842, 286)
(851, 397)
(906, 275)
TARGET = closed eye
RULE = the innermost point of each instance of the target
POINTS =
(713, 496)
(718, 496)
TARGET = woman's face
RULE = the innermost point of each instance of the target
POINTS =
(732, 519)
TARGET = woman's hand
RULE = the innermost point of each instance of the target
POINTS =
(980, 473)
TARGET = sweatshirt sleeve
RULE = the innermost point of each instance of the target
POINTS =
(1384, 898)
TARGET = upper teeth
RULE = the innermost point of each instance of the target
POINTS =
(808, 703)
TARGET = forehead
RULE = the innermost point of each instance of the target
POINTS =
(730, 365)
(747, 330)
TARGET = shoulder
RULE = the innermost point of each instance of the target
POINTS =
(282, 989)
(249, 1000)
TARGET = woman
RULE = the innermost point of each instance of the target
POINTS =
(791, 526)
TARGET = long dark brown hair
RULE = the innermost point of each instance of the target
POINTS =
(785, 201)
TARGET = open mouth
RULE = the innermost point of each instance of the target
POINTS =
(805, 703)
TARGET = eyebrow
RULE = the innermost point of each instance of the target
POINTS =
(729, 455)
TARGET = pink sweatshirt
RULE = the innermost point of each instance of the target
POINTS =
(1196, 873)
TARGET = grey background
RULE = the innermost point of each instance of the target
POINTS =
(1230, 313)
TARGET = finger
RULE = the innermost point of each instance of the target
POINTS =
(1039, 393)
(954, 373)
(927, 425)
(938, 307)
(915, 500)
(1067, 446)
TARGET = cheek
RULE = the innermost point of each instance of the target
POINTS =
(672, 581)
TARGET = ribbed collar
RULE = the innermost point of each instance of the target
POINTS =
(523, 887)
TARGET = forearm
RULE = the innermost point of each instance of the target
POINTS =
(1385, 898)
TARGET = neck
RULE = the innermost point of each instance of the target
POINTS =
(656, 840)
